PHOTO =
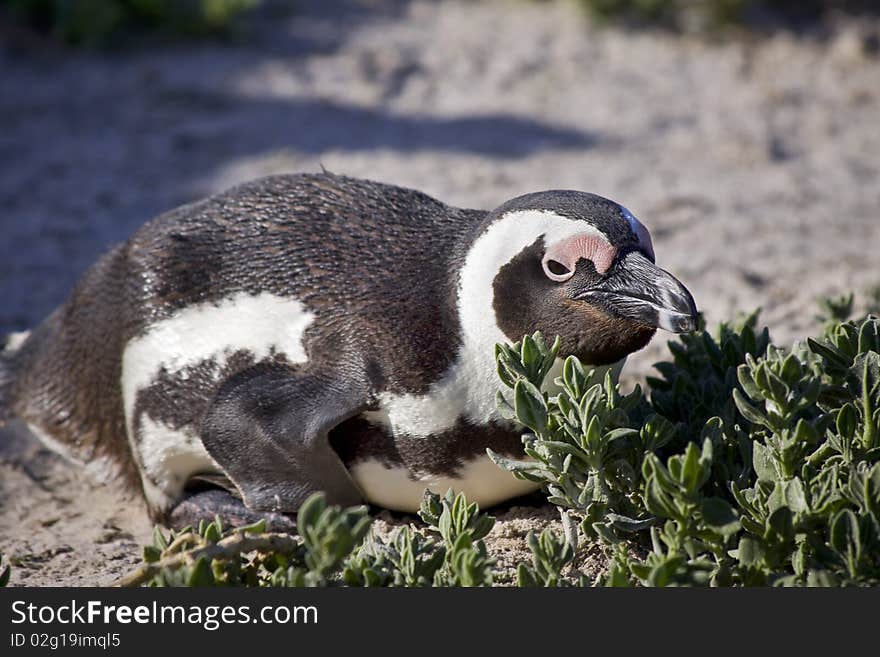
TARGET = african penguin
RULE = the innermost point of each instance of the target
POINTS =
(317, 332)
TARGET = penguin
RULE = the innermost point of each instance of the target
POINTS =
(315, 332)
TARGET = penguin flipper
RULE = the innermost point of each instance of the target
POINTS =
(267, 429)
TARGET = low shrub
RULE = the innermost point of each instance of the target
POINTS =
(748, 464)
(102, 22)
(700, 15)
(334, 547)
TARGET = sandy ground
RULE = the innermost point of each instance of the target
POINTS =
(754, 162)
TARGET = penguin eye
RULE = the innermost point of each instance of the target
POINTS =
(556, 271)
(557, 268)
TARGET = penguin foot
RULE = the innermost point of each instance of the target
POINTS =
(205, 505)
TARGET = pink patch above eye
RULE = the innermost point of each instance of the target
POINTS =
(582, 245)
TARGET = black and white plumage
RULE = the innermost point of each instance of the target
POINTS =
(317, 332)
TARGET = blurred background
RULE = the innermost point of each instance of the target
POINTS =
(744, 133)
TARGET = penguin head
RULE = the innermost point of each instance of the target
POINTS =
(582, 267)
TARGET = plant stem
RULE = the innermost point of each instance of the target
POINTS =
(226, 549)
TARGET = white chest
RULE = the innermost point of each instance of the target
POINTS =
(466, 391)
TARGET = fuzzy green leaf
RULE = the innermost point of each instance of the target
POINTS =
(529, 406)
(720, 516)
(872, 492)
(201, 574)
(152, 553)
(748, 411)
(750, 551)
(310, 511)
(846, 538)
(762, 462)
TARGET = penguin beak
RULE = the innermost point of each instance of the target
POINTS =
(638, 289)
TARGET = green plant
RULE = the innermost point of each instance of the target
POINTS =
(585, 443)
(408, 558)
(99, 22)
(708, 14)
(450, 553)
(333, 547)
(551, 554)
(249, 556)
(833, 310)
(675, 14)
(462, 528)
(749, 464)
